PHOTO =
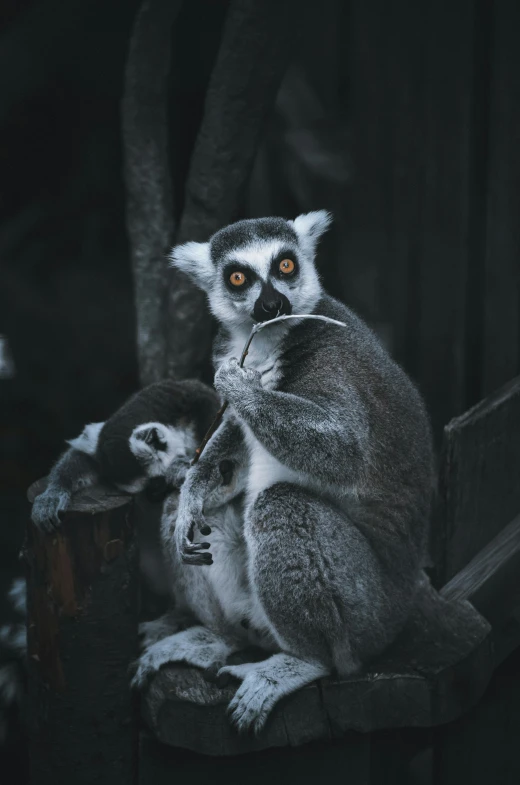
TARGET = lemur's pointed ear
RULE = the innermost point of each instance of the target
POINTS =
(310, 226)
(194, 259)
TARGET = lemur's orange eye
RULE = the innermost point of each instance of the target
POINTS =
(287, 266)
(237, 279)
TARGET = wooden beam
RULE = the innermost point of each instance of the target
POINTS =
(491, 579)
(479, 492)
(82, 603)
(150, 210)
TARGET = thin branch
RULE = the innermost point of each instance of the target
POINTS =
(256, 329)
(256, 47)
(150, 215)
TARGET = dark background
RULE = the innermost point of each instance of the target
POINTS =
(403, 119)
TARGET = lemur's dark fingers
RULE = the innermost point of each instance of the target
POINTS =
(196, 546)
(199, 559)
(201, 525)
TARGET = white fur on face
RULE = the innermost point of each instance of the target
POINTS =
(234, 311)
(179, 442)
(87, 441)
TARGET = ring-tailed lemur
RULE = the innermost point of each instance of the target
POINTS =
(156, 430)
(340, 468)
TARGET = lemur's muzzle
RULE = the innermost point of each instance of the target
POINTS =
(271, 304)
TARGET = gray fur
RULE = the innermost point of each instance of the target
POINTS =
(339, 473)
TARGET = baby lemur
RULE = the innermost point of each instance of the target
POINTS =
(339, 474)
(158, 428)
(151, 441)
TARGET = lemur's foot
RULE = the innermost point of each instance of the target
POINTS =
(263, 685)
(196, 646)
(48, 507)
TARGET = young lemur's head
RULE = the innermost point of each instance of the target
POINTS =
(257, 269)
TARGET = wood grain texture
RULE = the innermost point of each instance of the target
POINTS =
(479, 489)
(491, 579)
(82, 596)
(150, 209)
(437, 669)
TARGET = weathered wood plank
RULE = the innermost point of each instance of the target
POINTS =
(316, 762)
(501, 345)
(82, 598)
(479, 489)
(438, 668)
(491, 579)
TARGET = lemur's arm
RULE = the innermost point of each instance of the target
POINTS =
(304, 435)
(203, 488)
(73, 470)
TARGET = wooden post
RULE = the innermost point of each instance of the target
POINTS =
(82, 605)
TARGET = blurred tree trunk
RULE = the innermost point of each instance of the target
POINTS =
(173, 322)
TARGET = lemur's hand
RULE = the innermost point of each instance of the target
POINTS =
(48, 506)
(232, 381)
(190, 515)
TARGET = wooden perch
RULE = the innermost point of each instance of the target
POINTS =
(82, 598)
(150, 209)
(255, 50)
(437, 669)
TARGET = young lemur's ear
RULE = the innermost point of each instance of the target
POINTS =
(310, 226)
(194, 259)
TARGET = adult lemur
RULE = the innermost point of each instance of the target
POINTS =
(339, 469)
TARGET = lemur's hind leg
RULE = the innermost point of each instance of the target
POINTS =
(196, 646)
(322, 591)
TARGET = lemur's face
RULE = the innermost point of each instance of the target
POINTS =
(255, 270)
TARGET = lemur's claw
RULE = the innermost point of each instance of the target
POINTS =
(196, 546)
(198, 559)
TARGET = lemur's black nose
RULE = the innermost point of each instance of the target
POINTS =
(271, 304)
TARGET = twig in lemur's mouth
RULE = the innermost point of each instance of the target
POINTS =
(256, 329)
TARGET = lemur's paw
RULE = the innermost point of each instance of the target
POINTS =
(48, 507)
(195, 646)
(189, 516)
(231, 381)
(253, 700)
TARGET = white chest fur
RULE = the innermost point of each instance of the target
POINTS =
(264, 356)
